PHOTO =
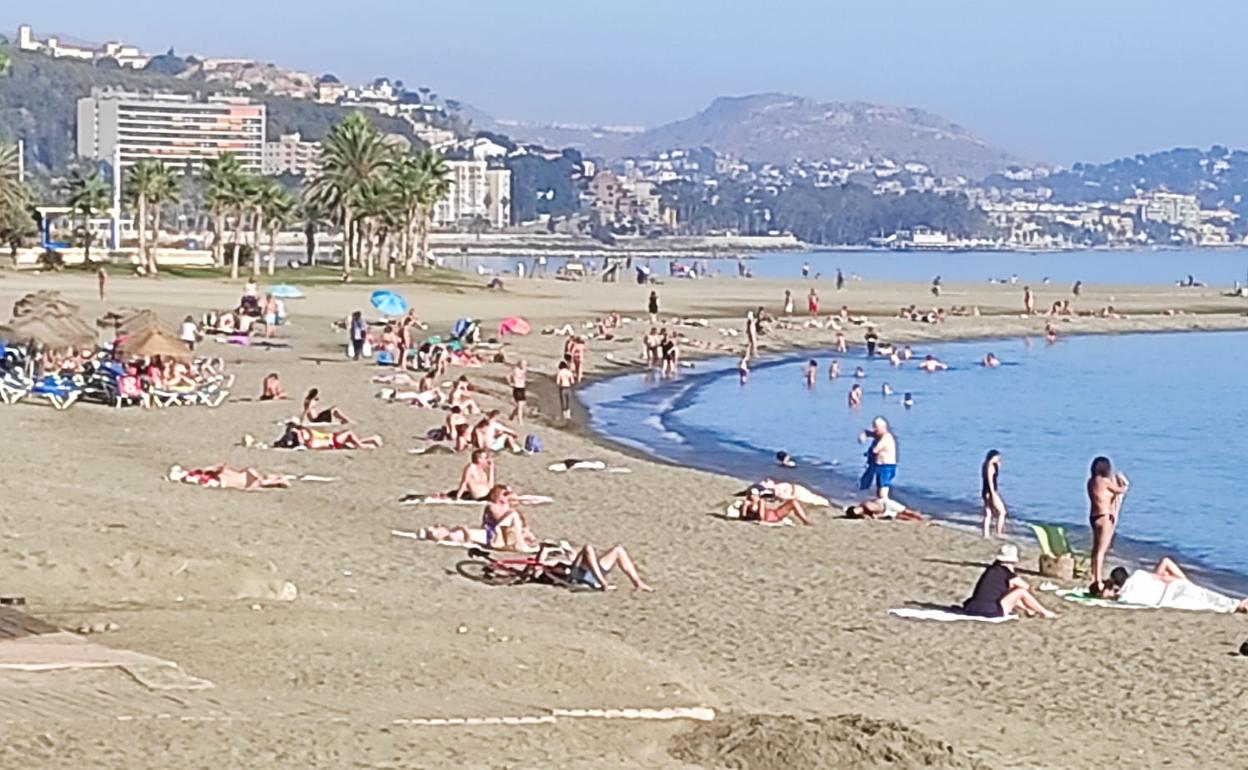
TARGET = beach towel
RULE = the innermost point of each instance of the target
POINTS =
(448, 500)
(943, 616)
(584, 465)
(1080, 596)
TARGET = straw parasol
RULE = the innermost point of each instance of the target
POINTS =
(49, 331)
(154, 341)
(45, 301)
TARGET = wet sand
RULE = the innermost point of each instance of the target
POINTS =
(747, 620)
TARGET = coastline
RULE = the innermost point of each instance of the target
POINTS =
(749, 621)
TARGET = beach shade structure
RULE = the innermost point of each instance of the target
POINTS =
(49, 331)
(44, 301)
(153, 342)
(388, 303)
(286, 291)
(514, 325)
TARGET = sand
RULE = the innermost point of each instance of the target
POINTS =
(782, 630)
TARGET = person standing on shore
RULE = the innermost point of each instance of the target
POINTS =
(1077, 289)
(653, 307)
(805, 269)
(991, 493)
(812, 302)
(517, 379)
(358, 331)
(751, 336)
(1029, 301)
(576, 356)
(788, 303)
(101, 278)
(840, 280)
(841, 345)
(1106, 490)
(564, 380)
(936, 286)
(881, 458)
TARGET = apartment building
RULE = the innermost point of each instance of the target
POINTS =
(290, 154)
(125, 55)
(177, 129)
(477, 192)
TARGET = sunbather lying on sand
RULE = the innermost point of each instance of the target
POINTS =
(1169, 587)
(755, 508)
(785, 490)
(311, 438)
(226, 477)
(882, 509)
(590, 568)
(999, 592)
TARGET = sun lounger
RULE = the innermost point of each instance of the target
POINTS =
(1053, 545)
(61, 394)
(13, 389)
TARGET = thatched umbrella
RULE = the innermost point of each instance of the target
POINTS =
(152, 342)
(42, 302)
(49, 331)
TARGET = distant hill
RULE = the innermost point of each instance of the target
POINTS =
(39, 102)
(778, 128)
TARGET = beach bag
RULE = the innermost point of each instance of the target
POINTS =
(532, 443)
(368, 349)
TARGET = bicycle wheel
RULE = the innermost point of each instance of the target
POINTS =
(488, 573)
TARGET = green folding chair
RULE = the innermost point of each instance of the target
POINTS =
(1053, 543)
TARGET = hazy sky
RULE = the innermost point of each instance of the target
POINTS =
(1059, 80)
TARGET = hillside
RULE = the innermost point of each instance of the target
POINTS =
(38, 102)
(778, 128)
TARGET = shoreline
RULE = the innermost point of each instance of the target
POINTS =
(948, 512)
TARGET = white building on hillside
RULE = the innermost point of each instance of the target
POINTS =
(125, 55)
(291, 155)
(477, 192)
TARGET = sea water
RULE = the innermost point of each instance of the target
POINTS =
(1168, 409)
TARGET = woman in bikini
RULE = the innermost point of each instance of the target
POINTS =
(1105, 492)
(755, 508)
(505, 527)
(312, 414)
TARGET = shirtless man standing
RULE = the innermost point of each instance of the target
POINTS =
(1105, 492)
(1029, 301)
(881, 458)
(477, 479)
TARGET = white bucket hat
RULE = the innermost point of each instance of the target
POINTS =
(1008, 554)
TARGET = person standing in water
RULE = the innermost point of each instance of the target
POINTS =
(881, 458)
(812, 371)
(855, 396)
(834, 369)
(1106, 490)
(990, 493)
(743, 368)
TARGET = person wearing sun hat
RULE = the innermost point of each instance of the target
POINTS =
(999, 592)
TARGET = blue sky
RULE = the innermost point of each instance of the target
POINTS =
(1059, 80)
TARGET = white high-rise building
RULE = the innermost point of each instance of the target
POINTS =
(173, 128)
(292, 155)
(477, 191)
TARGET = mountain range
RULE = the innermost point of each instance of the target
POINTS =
(779, 128)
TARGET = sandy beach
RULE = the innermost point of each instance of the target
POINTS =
(783, 631)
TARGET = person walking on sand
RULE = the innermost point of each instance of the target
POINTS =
(1029, 301)
(1106, 490)
(653, 307)
(564, 380)
(516, 379)
(990, 493)
(101, 279)
(881, 458)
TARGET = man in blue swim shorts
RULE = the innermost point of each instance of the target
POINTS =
(881, 458)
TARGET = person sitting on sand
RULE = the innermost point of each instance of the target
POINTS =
(316, 416)
(505, 527)
(491, 434)
(1169, 587)
(590, 568)
(933, 364)
(882, 509)
(455, 429)
(991, 361)
(272, 389)
(226, 477)
(460, 396)
(755, 508)
(477, 479)
(999, 592)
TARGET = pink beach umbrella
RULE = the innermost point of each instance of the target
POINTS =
(513, 325)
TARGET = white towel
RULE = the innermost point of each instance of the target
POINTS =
(944, 616)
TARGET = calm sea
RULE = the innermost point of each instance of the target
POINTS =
(1215, 267)
(1168, 409)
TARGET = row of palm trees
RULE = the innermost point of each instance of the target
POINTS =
(381, 198)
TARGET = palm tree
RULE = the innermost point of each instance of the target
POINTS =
(148, 185)
(313, 220)
(220, 176)
(88, 196)
(436, 186)
(5, 63)
(13, 193)
(277, 209)
(353, 153)
(239, 198)
(378, 214)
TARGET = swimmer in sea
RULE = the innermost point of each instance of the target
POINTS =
(784, 460)
(834, 369)
(886, 389)
(812, 371)
(907, 400)
(859, 372)
(991, 361)
(906, 353)
(743, 368)
(855, 396)
(894, 359)
(932, 364)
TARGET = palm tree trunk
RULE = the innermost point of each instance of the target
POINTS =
(424, 237)
(86, 238)
(218, 232)
(272, 247)
(348, 242)
(238, 235)
(404, 237)
(257, 218)
(152, 269)
(140, 219)
(370, 250)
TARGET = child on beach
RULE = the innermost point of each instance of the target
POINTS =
(564, 380)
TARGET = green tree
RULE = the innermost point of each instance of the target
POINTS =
(352, 154)
(89, 197)
(13, 192)
(220, 176)
(436, 186)
(278, 209)
(5, 63)
(149, 184)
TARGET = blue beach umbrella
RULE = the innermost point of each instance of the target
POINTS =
(285, 291)
(388, 303)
